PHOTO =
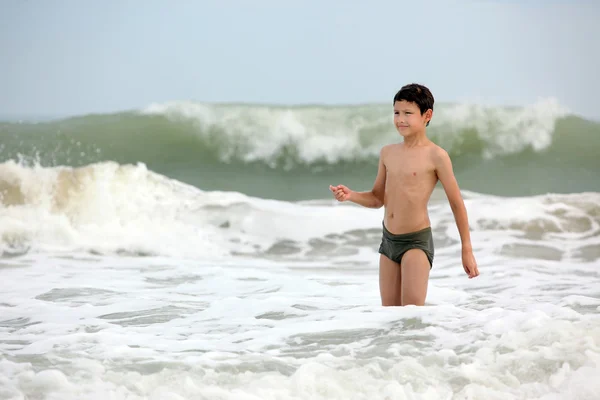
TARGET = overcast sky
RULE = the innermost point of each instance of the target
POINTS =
(78, 56)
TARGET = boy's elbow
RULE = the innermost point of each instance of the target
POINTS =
(377, 204)
(457, 205)
(377, 200)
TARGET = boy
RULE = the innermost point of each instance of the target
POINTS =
(406, 177)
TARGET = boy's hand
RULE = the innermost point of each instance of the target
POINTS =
(469, 263)
(341, 192)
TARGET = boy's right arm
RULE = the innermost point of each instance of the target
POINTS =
(371, 199)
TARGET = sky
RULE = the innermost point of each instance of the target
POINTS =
(68, 57)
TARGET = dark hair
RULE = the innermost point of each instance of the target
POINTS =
(418, 94)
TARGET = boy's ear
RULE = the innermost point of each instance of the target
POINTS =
(428, 115)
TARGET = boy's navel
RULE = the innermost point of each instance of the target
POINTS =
(414, 174)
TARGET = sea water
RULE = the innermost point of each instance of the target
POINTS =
(121, 282)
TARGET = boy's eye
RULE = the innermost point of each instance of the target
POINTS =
(408, 112)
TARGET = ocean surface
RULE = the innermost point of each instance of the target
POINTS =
(193, 251)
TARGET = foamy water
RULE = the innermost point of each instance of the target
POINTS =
(334, 134)
(118, 283)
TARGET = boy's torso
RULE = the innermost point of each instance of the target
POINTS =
(410, 180)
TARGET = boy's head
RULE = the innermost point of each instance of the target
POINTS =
(418, 95)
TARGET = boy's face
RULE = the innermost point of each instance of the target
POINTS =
(408, 118)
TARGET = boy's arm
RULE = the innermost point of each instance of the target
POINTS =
(373, 198)
(445, 173)
(443, 167)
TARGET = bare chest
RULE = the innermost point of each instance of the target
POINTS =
(410, 170)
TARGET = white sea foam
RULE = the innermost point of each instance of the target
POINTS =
(503, 130)
(109, 208)
(341, 133)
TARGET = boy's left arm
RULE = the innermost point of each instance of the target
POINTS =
(445, 173)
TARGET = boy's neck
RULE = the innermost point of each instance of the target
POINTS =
(419, 138)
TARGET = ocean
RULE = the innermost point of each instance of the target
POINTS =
(189, 251)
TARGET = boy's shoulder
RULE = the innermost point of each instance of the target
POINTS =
(390, 147)
(389, 151)
(438, 153)
(436, 150)
(435, 153)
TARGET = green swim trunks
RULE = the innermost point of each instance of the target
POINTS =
(394, 246)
